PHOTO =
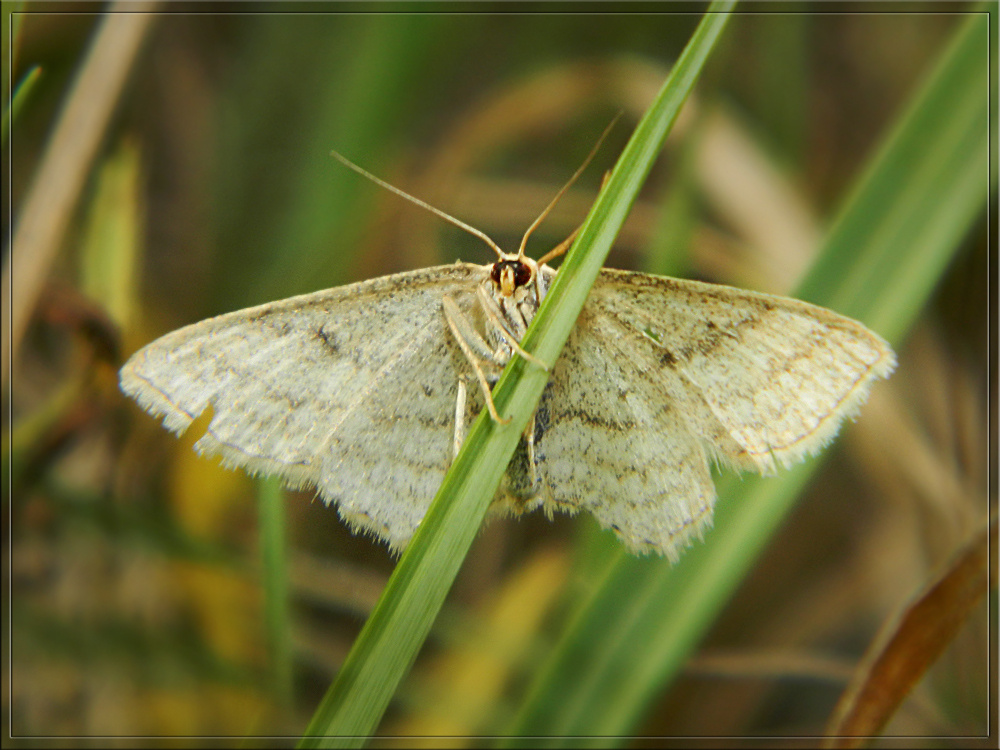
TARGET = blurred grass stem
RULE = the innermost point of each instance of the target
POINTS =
(53, 196)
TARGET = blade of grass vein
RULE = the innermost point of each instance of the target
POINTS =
(390, 640)
(632, 636)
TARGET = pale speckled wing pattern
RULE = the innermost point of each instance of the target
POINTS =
(351, 390)
(659, 373)
(613, 442)
(765, 380)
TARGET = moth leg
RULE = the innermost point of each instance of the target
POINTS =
(496, 317)
(561, 248)
(464, 331)
(457, 323)
(459, 417)
(529, 440)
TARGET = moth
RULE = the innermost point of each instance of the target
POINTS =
(364, 391)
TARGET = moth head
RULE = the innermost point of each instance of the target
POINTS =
(513, 272)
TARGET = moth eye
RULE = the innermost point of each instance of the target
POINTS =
(522, 274)
(495, 273)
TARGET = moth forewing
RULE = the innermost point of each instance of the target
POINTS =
(351, 390)
(765, 379)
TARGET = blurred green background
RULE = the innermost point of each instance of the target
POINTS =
(136, 601)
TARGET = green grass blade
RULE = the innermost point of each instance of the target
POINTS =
(605, 219)
(21, 94)
(908, 215)
(390, 640)
(911, 208)
(113, 234)
(274, 575)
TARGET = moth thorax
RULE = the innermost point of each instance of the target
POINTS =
(509, 275)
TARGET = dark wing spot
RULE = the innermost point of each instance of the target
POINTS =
(667, 358)
(329, 339)
(589, 419)
(543, 417)
(541, 423)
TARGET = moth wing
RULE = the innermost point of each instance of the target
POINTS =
(764, 380)
(351, 390)
(610, 440)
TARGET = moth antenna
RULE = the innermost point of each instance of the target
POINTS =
(402, 194)
(563, 246)
(567, 186)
